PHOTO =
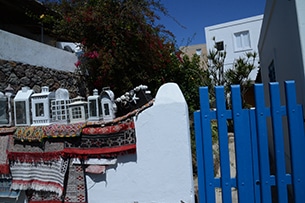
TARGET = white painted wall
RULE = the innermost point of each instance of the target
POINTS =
(24, 50)
(300, 7)
(161, 170)
(282, 41)
(225, 32)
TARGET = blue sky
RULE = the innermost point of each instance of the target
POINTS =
(195, 15)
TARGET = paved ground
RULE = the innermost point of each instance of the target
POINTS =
(216, 167)
(232, 170)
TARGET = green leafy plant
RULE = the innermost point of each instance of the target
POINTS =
(123, 46)
(219, 75)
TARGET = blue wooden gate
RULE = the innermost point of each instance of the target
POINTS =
(256, 152)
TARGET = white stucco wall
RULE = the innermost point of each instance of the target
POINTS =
(300, 8)
(20, 49)
(161, 170)
(282, 41)
(225, 32)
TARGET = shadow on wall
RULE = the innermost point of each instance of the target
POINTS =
(121, 160)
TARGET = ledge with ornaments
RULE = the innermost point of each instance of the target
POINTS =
(47, 137)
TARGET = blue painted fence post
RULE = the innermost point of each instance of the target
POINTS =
(206, 184)
(243, 148)
(222, 116)
(277, 112)
(261, 114)
(253, 179)
(297, 142)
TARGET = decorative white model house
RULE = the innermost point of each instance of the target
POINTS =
(108, 104)
(22, 107)
(94, 107)
(3, 110)
(78, 110)
(59, 106)
(41, 107)
(6, 106)
(10, 93)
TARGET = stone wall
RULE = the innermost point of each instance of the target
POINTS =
(19, 75)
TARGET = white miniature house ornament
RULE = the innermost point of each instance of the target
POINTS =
(9, 93)
(6, 105)
(22, 107)
(94, 107)
(41, 107)
(59, 106)
(4, 110)
(108, 104)
(78, 110)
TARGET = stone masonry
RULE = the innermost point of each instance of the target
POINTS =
(19, 75)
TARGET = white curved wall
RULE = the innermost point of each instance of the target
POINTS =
(161, 170)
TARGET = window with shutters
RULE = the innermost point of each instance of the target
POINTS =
(242, 41)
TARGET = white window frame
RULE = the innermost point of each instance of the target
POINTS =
(244, 36)
(198, 52)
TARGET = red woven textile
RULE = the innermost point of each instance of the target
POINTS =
(4, 163)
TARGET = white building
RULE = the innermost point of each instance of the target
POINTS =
(282, 45)
(236, 38)
(282, 52)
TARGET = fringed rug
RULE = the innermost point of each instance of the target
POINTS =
(34, 151)
(95, 169)
(99, 142)
(45, 176)
(36, 167)
(75, 190)
(63, 130)
(43, 197)
(76, 185)
(29, 133)
(4, 163)
(7, 130)
(128, 124)
(95, 166)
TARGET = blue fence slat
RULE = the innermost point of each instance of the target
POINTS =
(278, 140)
(253, 179)
(199, 155)
(264, 168)
(208, 163)
(255, 162)
(221, 113)
(297, 142)
(242, 138)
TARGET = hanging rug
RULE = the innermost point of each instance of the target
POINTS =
(34, 151)
(29, 133)
(74, 192)
(108, 141)
(4, 164)
(127, 125)
(39, 176)
(76, 185)
(63, 130)
(7, 130)
(34, 196)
